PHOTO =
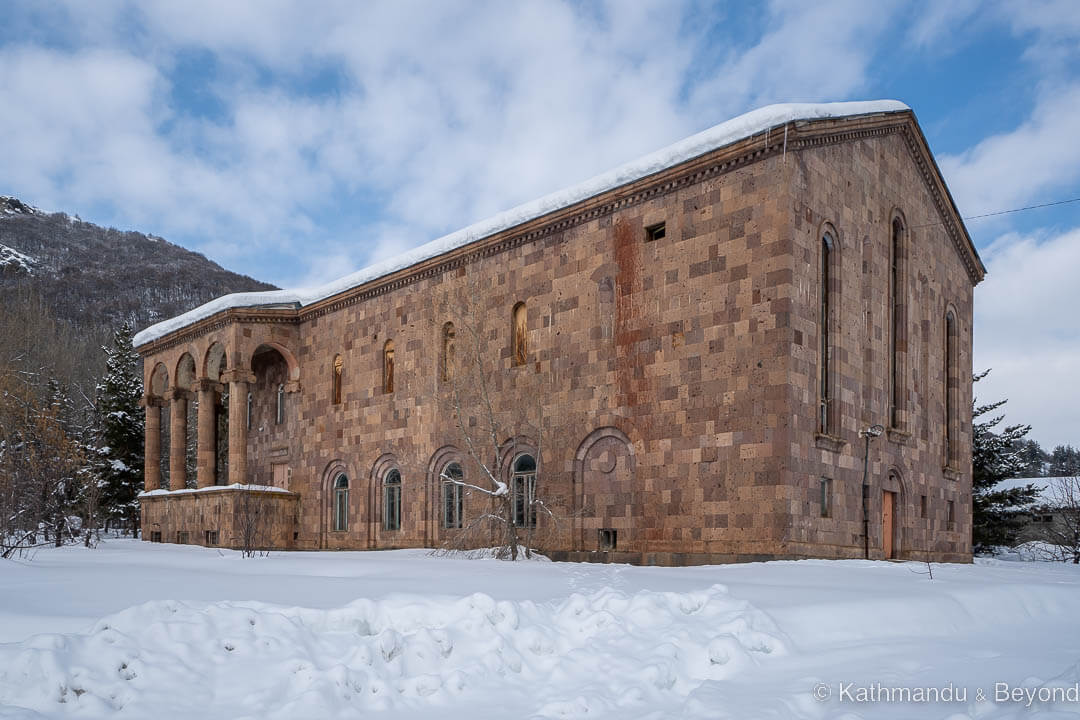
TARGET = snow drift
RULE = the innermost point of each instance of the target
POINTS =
(233, 659)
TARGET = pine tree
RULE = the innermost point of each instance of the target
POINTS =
(997, 513)
(120, 430)
(1065, 461)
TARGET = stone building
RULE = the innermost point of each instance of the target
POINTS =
(688, 347)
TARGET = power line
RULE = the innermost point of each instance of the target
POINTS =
(1006, 212)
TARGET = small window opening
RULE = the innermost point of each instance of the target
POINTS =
(826, 497)
(952, 515)
(523, 487)
(155, 536)
(280, 416)
(922, 506)
(392, 501)
(608, 539)
(182, 537)
(211, 538)
(655, 232)
(453, 476)
(339, 366)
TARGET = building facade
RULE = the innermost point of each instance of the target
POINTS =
(680, 364)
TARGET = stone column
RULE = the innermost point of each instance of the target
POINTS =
(207, 452)
(238, 390)
(178, 440)
(152, 444)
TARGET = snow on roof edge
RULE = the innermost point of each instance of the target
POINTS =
(733, 130)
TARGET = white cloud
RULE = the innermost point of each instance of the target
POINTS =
(1026, 331)
(1007, 170)
(444, 113)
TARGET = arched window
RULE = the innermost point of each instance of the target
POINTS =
(339, 365)
(523, 487)
(825, 320)
(250, 406)
(280, 416)
(446, 359)
(341, 503)
(388, 367)
(898, 325)
(392, 501)
(520, 344)
(950, 388)
(452, 476)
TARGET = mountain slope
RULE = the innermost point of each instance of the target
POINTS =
(93, 278)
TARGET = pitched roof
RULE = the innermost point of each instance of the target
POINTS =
(738, 128)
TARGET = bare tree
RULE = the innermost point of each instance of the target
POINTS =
(250, 522)
(519, 514)
(1058, 515)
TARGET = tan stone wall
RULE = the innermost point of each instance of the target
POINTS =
(857, 187)
(671, 384)
(221, 511)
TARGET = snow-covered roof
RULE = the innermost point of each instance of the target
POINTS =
(213, 488)
(738, 128)
(1048, 494)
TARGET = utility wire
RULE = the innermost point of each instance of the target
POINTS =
(1006, 212)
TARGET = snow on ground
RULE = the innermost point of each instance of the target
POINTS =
(136, 630)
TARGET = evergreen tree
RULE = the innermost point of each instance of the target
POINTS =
(1064, 461)
(120, 430)
(1033, 457)
(997, 512)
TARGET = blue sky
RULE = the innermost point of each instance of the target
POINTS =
(296, 142)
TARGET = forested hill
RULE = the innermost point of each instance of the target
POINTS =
(91, 277)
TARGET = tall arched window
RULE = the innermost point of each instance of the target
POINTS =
(898, 325)
(250, 408)
(950, 388)
(392, 500)
(339, 366)
(446, 358)
(452, 504)
(520, 335)
(825, 320)
(388, 367)
(280, 416)
(523, 487)
(341, 503)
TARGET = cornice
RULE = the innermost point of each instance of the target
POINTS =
(791, 137)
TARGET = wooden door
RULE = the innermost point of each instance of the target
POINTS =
(888, 522)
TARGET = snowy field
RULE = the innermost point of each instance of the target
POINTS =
(134, 630)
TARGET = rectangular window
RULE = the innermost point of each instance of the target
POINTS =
(655, 232)
(155, 536)
(922, 506)
(608, 539)
(392, 507)
(952, 515)
(524, 489)
(452, 505)
(826, 497)
(182, 537)
(211, 538)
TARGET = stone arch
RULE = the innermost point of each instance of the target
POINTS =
(379, 469)
(184, 378)
(159, 380)
(215, 362)
(605, 495)
(511, 449)
(829, 249)
(440, 459)
(290, 360)
(271, 370)
(331, 472)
